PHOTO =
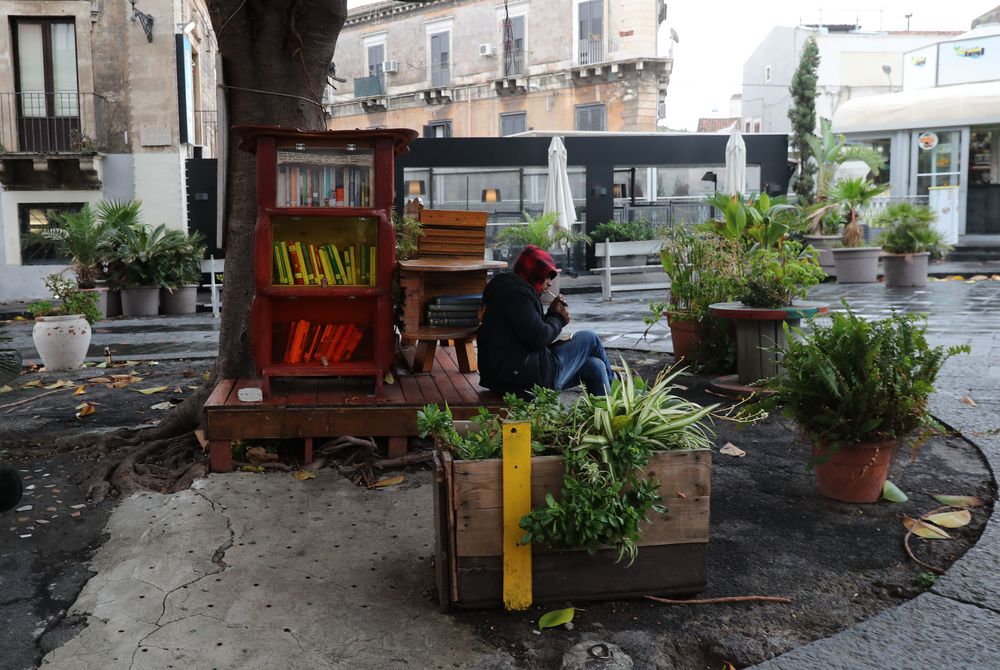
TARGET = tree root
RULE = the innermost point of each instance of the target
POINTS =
(723, 601)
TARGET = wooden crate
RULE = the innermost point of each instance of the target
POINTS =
(468, 510)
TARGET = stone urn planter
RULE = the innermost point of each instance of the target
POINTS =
(824, 244)
(61, 341)
(141, 301)
(856, 265)
(182, 300)
(905, 269)
(854, 473)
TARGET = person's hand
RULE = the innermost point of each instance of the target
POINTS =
(560, 307)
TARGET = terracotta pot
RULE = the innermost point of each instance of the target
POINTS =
(685, 336)
(855, 473)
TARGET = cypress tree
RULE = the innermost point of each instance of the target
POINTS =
(802, 114)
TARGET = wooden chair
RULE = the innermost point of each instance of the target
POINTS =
(450, 261)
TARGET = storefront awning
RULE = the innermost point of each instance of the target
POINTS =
(961, 105)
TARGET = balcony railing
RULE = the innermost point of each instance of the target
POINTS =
(43, 123)
(590, 52)
(372, 86)
(512, 63)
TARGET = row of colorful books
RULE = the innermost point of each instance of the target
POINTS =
(306, 264)
(323, 343)
(453, 310)
(329, 186)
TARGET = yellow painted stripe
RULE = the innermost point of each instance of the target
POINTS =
(516, 503)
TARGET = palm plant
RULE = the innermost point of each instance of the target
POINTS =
(908, 230)
(182, 256)
(540, 231)
(141, 256)
(850, 195)
(831, 151)
(83, 237)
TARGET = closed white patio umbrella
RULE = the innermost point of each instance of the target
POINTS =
(736, 163)
(558, 195)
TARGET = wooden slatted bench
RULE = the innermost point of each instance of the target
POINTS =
(450, 261)
(608, 251)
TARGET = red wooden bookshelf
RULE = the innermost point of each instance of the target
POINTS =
(324, 251)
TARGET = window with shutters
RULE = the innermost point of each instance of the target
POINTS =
(441, 59)
(438, 129)
(590, 117)
(515, 122)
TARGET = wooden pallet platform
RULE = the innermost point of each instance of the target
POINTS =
(318, 407)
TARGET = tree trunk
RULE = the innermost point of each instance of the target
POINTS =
(275, 59)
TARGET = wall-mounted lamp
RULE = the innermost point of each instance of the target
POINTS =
(491, 195)
(415, 187)
(710, 176)
(145, 20)
(619, 191)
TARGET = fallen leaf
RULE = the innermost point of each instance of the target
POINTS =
(162, 405)
(968, 401)
(995, 277)
(102, 365)
(189, 373)
(728, 666)
(950, 519)
(127, 363)
(80, 390)
(892, 493)
(177, 389)
(303, 475)
(86, 409)
(252, 468)
(6, 389)
(33, 383)
(79, 506)
(24, 508)
(959, 501)
(387, 481)
(924, 530)
(74, 514)
(194, 388)
(119, 385)
(389, 379)
(100, 380)
(681, 494)
(731, 449)
(154, 389)
(556, 618)
(956, 278)
(978, 278)
(62, 383)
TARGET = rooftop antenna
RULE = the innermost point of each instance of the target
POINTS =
(908, 21)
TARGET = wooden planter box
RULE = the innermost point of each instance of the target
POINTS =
(468, 517)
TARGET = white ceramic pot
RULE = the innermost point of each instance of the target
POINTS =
(61, 341)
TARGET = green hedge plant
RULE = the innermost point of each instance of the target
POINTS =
(909, 230)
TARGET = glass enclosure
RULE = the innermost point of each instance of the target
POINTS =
(938, 159)
(984, 155)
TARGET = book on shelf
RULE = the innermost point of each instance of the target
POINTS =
(338, 184)
(309, 264)
(453, 321)
(325, 343)
(468, 298)
(472, 308)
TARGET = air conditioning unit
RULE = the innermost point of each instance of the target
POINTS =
(487, 49)
(390, 66)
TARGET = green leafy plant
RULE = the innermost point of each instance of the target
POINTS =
(624, 231)
(858, 381)
(141, 257)
(846, 199)
(802, 114)
(831, 151)
(541, 231)
(71, 300)
(703, 269)
(81, 236)
(182, 253)
(756, 222)
(776, 276)
(604, 497)
(908, 230)
(408, 234)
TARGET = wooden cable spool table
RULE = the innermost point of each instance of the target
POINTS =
(422, 280)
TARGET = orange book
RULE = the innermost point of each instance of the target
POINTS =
(286, 358)
(299, 343)
(322, 342)
(353, 344)
(309, 346)
(345, 339)
(331, 343)
(296, 267)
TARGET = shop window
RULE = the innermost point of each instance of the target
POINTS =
(32, 220)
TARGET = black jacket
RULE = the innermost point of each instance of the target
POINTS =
(514, 337)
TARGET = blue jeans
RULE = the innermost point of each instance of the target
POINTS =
(582, 359)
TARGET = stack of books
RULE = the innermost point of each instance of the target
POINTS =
(322, 343)
(325, 181)
(454, 310)
(304, 263)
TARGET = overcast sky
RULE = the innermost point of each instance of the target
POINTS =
(716, 37)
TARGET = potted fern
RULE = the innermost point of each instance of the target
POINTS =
(908, 242)
(858, 389)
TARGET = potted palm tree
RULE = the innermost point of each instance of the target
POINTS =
(182, 256)
(854, 262)
(857, 389)
(908, 241)
(542, 232)
(139, 268)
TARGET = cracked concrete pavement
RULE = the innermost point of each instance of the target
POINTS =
(286, 577)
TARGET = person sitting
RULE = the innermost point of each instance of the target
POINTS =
(519, 344)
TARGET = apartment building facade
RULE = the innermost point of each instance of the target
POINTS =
(100, 101)
(479, 68)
